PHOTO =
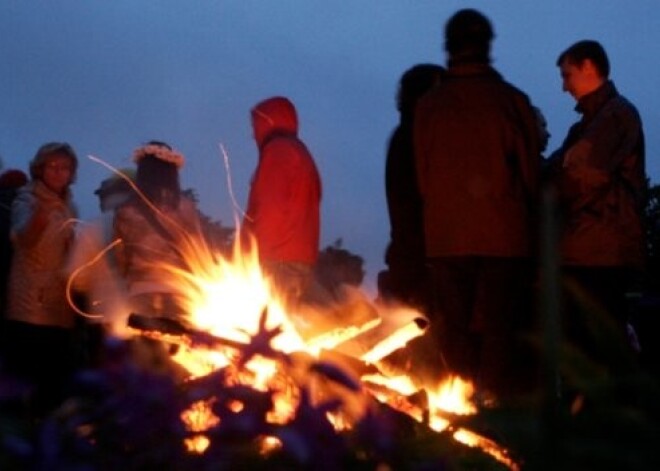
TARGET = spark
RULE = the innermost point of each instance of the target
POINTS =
(81, 268)
(230, 185)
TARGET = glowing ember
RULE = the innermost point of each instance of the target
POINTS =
(453, 396)
(472, 439)
(229, 299)
(198, 418)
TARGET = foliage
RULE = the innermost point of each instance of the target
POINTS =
(652, 224)
(337, 266)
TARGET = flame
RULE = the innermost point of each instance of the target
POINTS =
(454, 396)
(226, 297)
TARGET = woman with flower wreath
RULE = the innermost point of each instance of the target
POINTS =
(153, 226)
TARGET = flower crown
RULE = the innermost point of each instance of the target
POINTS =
(160, 152)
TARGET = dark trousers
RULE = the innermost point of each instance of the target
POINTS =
(478, 304)
(596, 313)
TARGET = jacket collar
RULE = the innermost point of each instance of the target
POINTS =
(275, 135)
(471, 69)
(589, 104)
(44, 193)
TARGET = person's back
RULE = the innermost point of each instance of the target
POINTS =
(474, 146)
(283, 212)
(283, 208)
(154, 232)
(405, 278)
(147, 248)
(477, 162)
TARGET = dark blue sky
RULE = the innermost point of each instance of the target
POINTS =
(108, 75)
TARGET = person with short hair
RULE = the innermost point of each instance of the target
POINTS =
(599, 178)
(477, 160)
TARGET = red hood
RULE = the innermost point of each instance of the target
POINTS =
(274, 115)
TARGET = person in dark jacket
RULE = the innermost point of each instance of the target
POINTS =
(283, 212)
(405, 278)
(10, 181)
(477, 160)
(598, 174)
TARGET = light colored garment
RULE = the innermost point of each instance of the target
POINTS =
(145, 251)
(37, 282)
(95, 273)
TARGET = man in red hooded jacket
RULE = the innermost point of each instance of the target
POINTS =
(283, 213)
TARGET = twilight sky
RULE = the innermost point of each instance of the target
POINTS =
(109, 75)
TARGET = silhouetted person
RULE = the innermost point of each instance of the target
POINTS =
(599, 177)
(477, 158)
(405, 279)
(283, 212)
(10, 181)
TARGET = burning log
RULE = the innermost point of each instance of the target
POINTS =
(395, 329)
(167, 326)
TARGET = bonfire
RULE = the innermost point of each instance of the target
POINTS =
(251, 362)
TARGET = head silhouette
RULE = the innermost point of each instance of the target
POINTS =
(468, 35)
(414, 83)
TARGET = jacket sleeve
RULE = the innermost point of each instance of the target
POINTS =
(29, 218)
(271, 191)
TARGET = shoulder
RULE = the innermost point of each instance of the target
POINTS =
(25, 196)
(285, 150)
(282, 142)
(515, 93)
(621, 105)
